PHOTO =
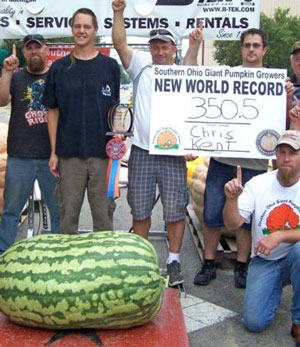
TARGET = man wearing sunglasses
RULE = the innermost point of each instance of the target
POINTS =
(28, 145)
(145, 170)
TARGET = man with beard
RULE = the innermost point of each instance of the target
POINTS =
(221, 170)
(273, 201)
(28, 145)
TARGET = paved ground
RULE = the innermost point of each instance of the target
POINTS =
(212, 313)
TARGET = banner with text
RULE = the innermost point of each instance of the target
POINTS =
(223, 19)
(57, 51)
(217, 111)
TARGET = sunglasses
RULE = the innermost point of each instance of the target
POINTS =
(155, 32)
(254, 45)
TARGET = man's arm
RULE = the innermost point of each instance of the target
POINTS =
(290, 90)
(269, 242)
(191, 58)
(294, 115)
(233, 189)
(119, 37)
(195, 39)
(53, 115)
(9, 65)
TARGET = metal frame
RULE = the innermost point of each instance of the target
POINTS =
(31, 231)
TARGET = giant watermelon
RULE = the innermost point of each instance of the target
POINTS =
(96, 280)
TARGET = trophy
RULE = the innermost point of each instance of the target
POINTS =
(120, 120)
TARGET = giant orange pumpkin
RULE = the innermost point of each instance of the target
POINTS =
(197, 188)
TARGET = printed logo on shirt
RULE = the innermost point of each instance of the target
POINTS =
(36, 113)
(280, 217)
(106, 91)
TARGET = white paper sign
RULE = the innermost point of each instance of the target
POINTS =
(217, 111)
(223, 19)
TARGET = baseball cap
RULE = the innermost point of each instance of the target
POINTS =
(161, 34)
(34, 38)
(290, 137)
(296, 47)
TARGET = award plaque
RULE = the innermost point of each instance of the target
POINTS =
(120, 120)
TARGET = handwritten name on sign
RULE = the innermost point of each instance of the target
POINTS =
(217, 111)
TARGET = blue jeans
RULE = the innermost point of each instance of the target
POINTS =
(19, 180)
(214, 197)
(265, 281)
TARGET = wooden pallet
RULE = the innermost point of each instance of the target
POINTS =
(226, 247)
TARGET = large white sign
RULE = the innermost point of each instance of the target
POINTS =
(217, 111)
(223, 19)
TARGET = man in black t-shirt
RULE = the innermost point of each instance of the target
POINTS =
(79, 90)
(28, 145)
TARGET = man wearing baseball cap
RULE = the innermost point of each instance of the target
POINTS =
(145, 170)
(272, 200)
(28, 145)
(34, 38)
(162, 34)
(290, 137)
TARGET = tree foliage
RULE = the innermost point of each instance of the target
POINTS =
(283, 30)
(7, 44)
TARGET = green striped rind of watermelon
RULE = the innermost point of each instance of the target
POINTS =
(95, 280)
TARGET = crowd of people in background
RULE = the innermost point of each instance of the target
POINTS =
(65, 153)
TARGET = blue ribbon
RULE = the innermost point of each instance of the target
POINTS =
(111, 186)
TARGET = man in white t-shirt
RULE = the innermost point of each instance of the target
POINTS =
(253, 50)
(145, 171)
(273, 201)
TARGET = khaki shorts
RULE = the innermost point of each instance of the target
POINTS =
(77, 176)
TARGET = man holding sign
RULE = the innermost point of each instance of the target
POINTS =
(145, 170)
(273, 201)
(28, 145)
(253, 50)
